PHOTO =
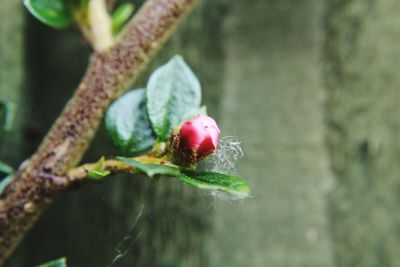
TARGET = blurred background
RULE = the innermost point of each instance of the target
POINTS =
(311, 88)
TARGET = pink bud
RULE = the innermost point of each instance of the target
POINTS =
(196, 139)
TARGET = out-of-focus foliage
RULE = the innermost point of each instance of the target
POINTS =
(55, 263)
(120, 15)
(6, 116)
(54, 13)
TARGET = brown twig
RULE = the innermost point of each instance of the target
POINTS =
(42, 178)
(82, 172)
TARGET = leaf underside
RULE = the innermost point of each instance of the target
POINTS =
(232, 185)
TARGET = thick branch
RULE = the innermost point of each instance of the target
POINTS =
(40, 180)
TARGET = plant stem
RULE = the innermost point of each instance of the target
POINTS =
(100, 26)
(81, 173)
(42, 178)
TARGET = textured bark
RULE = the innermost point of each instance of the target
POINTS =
(363, 57)
(273, 101)
(38, 183)
(91, 222)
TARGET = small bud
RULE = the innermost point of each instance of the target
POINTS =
(195, 140)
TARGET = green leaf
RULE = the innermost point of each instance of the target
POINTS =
(172, 91)
(120, 16)
(128, 124)
(55, 263)
(53, 13)
(98, 172)
(6, 115)
(8, 172)
(5, 169)
(233, 185)
(4, 182)
(98, 175)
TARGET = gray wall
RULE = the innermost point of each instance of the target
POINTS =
(273, 100)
